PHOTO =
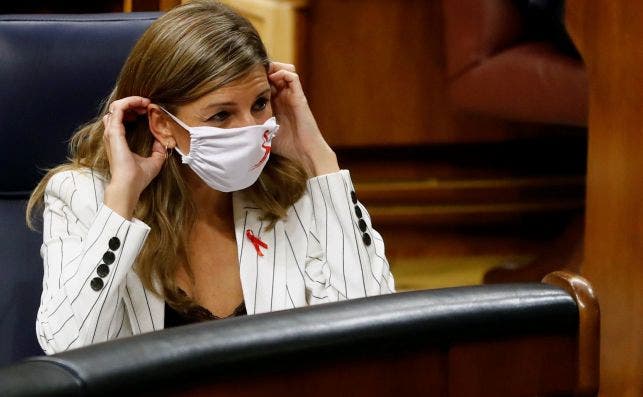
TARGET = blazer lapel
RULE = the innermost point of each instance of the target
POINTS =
(262, 275)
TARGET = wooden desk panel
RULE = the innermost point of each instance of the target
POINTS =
(608, 35)
(375, 76)
(536, 365)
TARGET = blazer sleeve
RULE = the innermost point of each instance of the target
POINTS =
(345, 257)
(87, 251)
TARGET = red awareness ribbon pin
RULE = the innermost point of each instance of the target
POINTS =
(256, 241)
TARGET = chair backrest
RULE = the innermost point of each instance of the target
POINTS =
(54, 72)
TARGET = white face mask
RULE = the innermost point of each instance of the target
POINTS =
(228, 159)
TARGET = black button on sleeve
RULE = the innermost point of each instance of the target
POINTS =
(102, 270)
(362, 225)
(114, 243)
(96, 283)
(353, 197)
(109, 257)
(366, 239)
(358, 211)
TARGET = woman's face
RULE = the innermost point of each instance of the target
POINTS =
(242, 102)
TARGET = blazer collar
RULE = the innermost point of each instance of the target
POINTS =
(247, 219)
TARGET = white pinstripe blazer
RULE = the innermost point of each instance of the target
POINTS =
(318, 253)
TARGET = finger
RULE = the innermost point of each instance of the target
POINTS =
(107, 123)
(122, 109)
(278, 84)
(158, 147)
(152, 165)
(276, 66)
(129, 103)
(106, 118)
(115, 120)
(283, 79)
(286, 75)
(114, 135)
(106, 136)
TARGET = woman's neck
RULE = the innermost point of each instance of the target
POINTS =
(212, 206)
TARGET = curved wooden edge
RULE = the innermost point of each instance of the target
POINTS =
(574, 18)
(588, 328)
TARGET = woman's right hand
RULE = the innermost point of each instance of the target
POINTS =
(130, 173)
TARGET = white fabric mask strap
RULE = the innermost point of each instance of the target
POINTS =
(182, 124)
(179, 122)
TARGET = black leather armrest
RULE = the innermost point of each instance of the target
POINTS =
(326, 332)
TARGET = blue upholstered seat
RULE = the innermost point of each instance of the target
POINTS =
(54, 72)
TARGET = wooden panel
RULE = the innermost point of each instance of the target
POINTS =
(425, 371)
(460, 184)
(149, 5)
(469, 201)
(529, 366)
(537, 365)
(276, 22)
(608, 34)
(376, 76)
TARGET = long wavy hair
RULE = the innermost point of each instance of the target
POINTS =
(188, 52)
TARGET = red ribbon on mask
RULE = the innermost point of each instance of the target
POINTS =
(266, 138)
(256, 242)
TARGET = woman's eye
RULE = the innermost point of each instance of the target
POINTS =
(260, 104)
(221, 116)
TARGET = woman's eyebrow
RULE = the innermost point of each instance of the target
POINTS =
(264, 92)
(215, 104)
(230, 103)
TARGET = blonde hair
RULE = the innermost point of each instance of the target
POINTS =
(188, 52)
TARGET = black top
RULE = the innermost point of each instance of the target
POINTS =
(196, 314)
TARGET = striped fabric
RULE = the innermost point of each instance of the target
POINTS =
(325, 250)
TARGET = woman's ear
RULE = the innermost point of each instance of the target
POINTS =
(160, 126)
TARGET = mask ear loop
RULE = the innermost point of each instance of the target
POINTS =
(179, 122)
(169, 151)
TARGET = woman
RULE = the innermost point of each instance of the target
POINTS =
(185, 201)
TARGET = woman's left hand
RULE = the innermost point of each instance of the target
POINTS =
(299, 137)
